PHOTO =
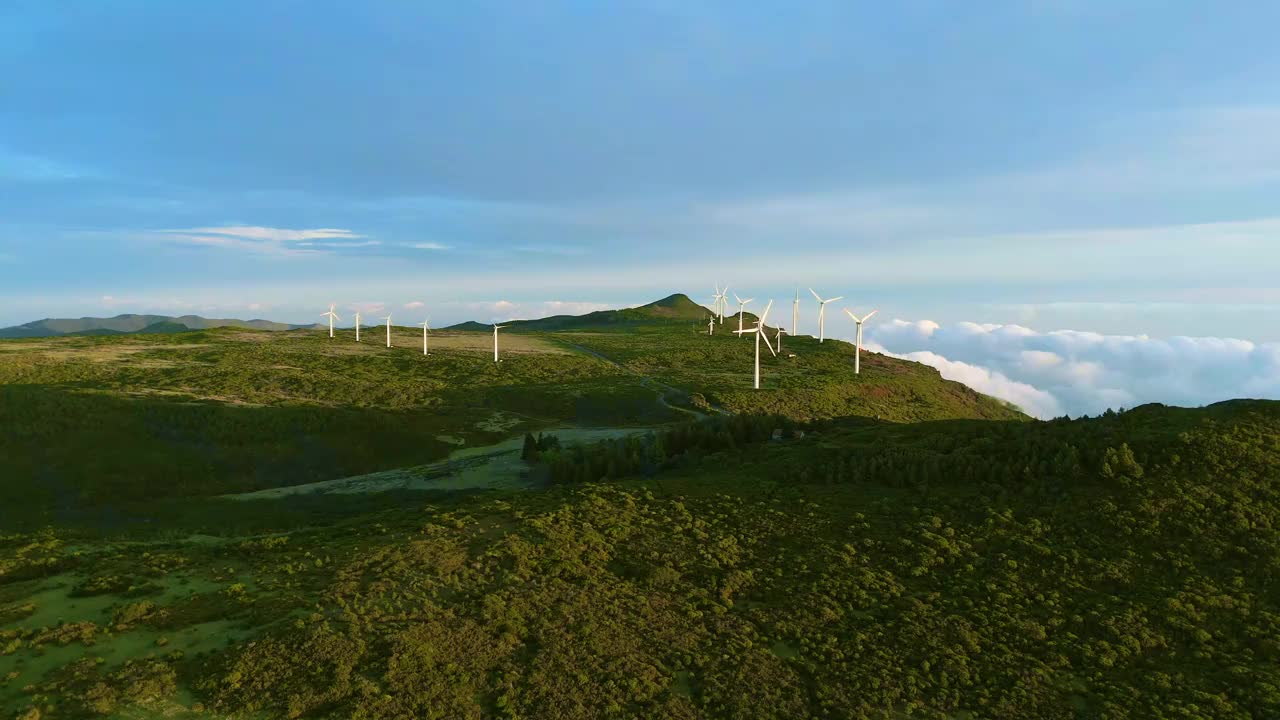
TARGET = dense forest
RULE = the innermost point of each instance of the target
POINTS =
(1116, 566)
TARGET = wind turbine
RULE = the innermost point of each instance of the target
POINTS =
(388, 319)
(857, 343)
(779, 337)
(759, 331)
(357, 326)
(496, 328)
(724, 302)
(822, 311)
(332, 316)
(711, 325)
(795, 314)
(742, 307)
(426, 326)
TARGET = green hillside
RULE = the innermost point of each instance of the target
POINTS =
(230, 522)
(165, 326)
(1120, 567)
(122, 418)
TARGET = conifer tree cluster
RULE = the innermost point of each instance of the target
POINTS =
(652, 452)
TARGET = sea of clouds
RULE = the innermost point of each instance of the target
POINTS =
(1069, 372)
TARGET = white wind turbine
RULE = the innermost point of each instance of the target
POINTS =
(332, 316)
(426, 327)
(742, 308)
(496, 328)
(822, 311)
(759, 331)
(724, 303)
(720, 302)
(778, 338)
(711, 325)
(388, 319)
(795, 314)
(357, 326)
(857, 342)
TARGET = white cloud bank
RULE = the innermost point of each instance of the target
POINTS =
(1067, 371)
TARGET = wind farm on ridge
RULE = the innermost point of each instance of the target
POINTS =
(718, 308)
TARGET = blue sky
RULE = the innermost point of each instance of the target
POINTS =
(1060, 164)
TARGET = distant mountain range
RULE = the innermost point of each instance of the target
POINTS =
(134, 324)
(677, 307)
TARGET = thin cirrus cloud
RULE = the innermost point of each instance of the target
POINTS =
(256, 232)
(342, 244)
(268, 240)
(1074, 372)
(429, 246)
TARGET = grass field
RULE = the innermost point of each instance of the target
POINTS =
(109, 420)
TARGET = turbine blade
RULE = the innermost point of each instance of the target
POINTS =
(850, 314)
(838, 297)
(765, 336)
(868, 317)
(816, 295)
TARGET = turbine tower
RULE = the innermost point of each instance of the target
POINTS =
(795, 314)
(388, 319)
(332, 316)
(496, 328)
(742, 308)
(759, 331)
(426, 327)
(357, 326)
(857, 342)
(822, 311)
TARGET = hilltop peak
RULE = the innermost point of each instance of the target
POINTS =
(677, 305)
(672, 300)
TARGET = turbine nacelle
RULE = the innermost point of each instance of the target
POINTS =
(857, 338)
(759, 332)
(496, 328)
(861, 320)
(426, 327)
(332, 316)
(822, 312)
